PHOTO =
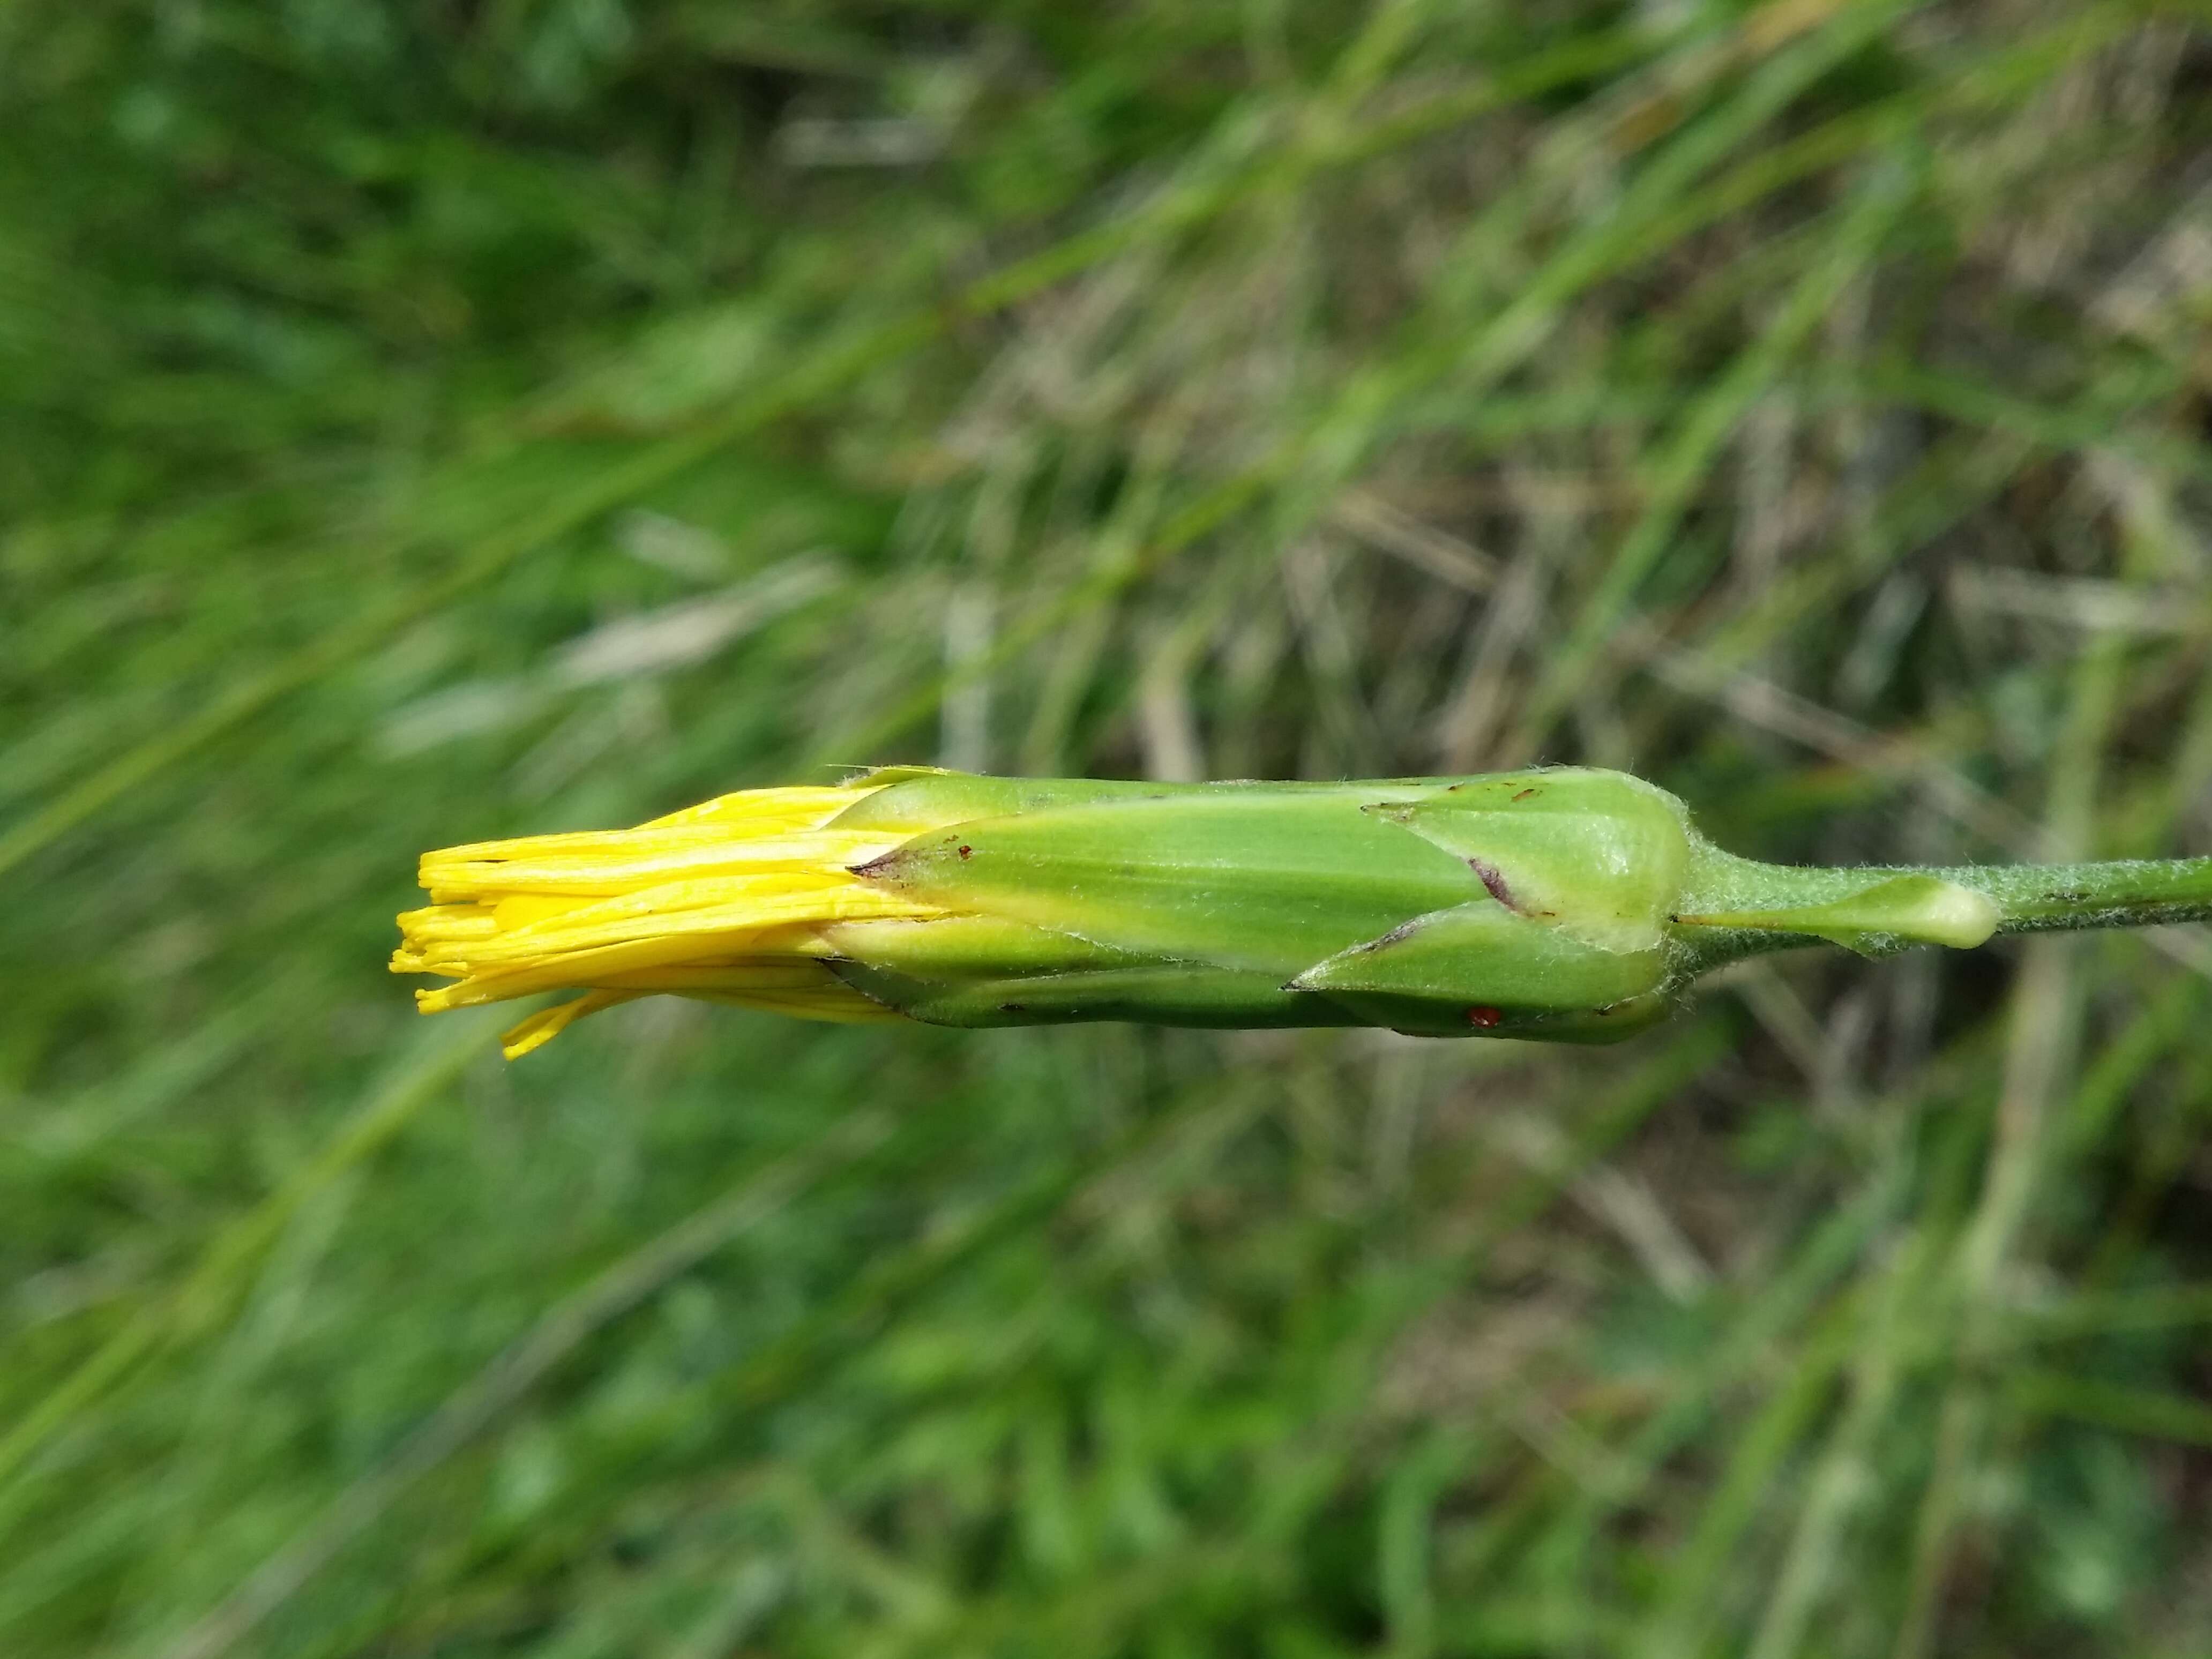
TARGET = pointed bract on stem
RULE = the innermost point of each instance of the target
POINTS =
(1561, 903)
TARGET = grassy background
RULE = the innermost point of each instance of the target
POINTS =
(428, 423)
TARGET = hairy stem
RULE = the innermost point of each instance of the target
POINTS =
(2119, 893)
(1733, 907)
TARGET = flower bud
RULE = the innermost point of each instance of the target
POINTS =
(1562, 903)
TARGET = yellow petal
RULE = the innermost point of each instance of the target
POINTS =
(547, 1023)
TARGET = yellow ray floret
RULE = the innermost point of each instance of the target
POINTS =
(727, 901)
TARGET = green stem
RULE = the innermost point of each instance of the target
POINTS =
(2120, 893)
(1733, 907)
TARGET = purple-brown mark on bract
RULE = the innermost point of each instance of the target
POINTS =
(1493, 881)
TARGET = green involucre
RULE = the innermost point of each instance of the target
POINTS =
(1560, 903)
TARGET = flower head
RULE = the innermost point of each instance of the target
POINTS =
(1561, 903)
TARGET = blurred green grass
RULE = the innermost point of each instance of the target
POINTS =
(431, 422)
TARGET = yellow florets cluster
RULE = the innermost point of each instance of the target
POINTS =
(726, 901)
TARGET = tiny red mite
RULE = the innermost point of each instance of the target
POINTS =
(1484, 1017)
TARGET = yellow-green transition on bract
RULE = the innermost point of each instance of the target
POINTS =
(1561, 903)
